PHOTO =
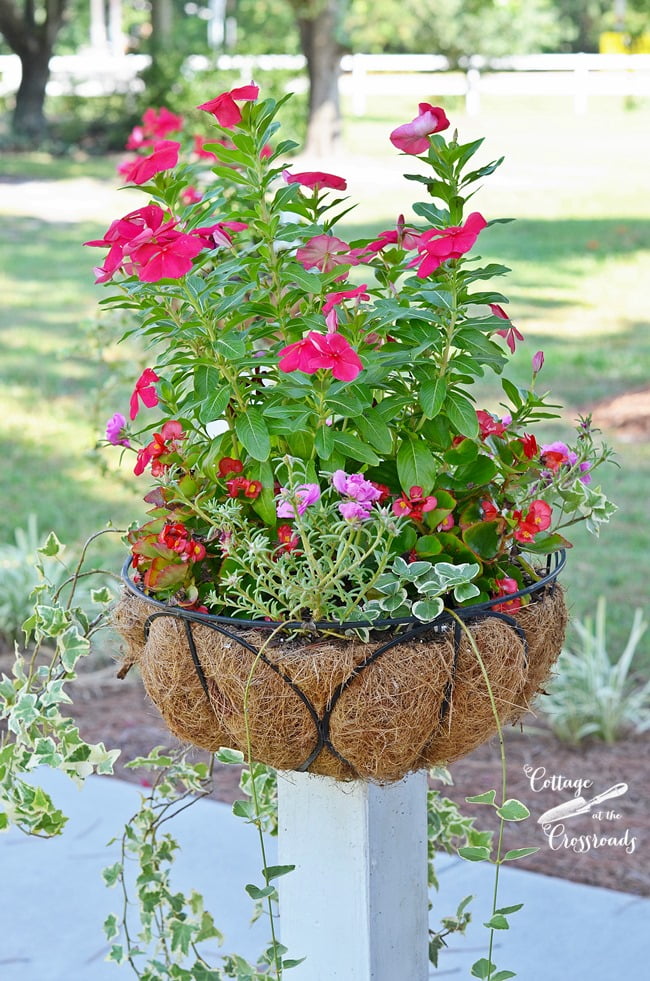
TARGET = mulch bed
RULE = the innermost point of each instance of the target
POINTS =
(121, 716)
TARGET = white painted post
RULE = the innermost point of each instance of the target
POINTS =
(358, 84)
(356, 906)
(473, 92)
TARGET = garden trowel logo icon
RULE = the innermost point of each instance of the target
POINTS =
(579, 805)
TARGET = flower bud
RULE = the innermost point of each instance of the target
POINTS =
(538, 361)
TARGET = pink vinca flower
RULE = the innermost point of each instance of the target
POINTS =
(124, 233)
(225, 109)
(413, 137)
(356, 486)
(144, 390)
(511, 334)
(160, 122)
(115, 430)
(316, 179)
(439, 245)
(328, 351)
(404, 237)
(164, 157)
(325, 252)
(333, 299)
(538, 362)
(168, 256)
(305, 495)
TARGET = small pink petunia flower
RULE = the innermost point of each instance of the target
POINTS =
(355, 510)
(316, 179)
(144, 390)
(413, 137)
(440, 244)
(225, 109)
(306, 495)
(115, 430)
(164, 157)
(355, 486)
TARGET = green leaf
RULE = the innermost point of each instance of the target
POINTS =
(324, 442)
(214, 404)
(497, 922)
(110, 926)
(416, 466)
(225, 755)
(52, 546)
(101, 596)
(482, 968)
(275, 871)
(474, 853)
(516, 853)
(510, 909)
(488, 797)
(253, 434)
(432, 395)
(461, 414)
(427, 610)
(71, 646)
(230, 346)
(483, 538)
(351, 446)
(513, 810)
(181, 935)
(111, 875)
(376, 432)
(256, 893)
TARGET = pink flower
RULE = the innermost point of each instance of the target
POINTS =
(438, 245)
(538, 362)
(511, 334)
(115, 430)
(305, 494)
(557, 454)
(506, 587)
(190, 195)
(355, 510)
(122, 234)
(317, 179)
(489, 426)
(168, 256)
(199, 148)
(145, 391)
(164, 156)
(160, 122)
(325, 252)
(413, 137)
(355, 486)
(402, 236)
(225, 109)
(213, 236)
(136, 140)
(332, 299)
(316, 351)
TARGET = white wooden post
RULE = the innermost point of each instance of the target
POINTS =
(358, 85)
(473, 92)
(356, 906)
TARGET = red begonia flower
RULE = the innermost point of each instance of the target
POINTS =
(225, 109)
(164, 156)
(315, 351)
(441, 244)
(413, 137)
(488, 425)
(529, 443)
(228, 464)
(317, 179)
(538, 519)
(145, 391)
(506, 587)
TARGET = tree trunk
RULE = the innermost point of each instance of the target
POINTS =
(29, 117)
(317, 24)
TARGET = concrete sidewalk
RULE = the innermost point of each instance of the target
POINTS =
(53, 900)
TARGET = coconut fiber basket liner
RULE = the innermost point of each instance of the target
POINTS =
(334, 705)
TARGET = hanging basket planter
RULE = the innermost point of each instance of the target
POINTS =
(413, 697)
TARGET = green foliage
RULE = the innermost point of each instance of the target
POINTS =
(594, 694)
(35, 732)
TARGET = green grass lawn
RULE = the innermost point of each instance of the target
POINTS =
(580, 255)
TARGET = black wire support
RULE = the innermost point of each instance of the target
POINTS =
(410, 628)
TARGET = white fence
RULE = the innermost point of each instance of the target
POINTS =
(575, 76)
